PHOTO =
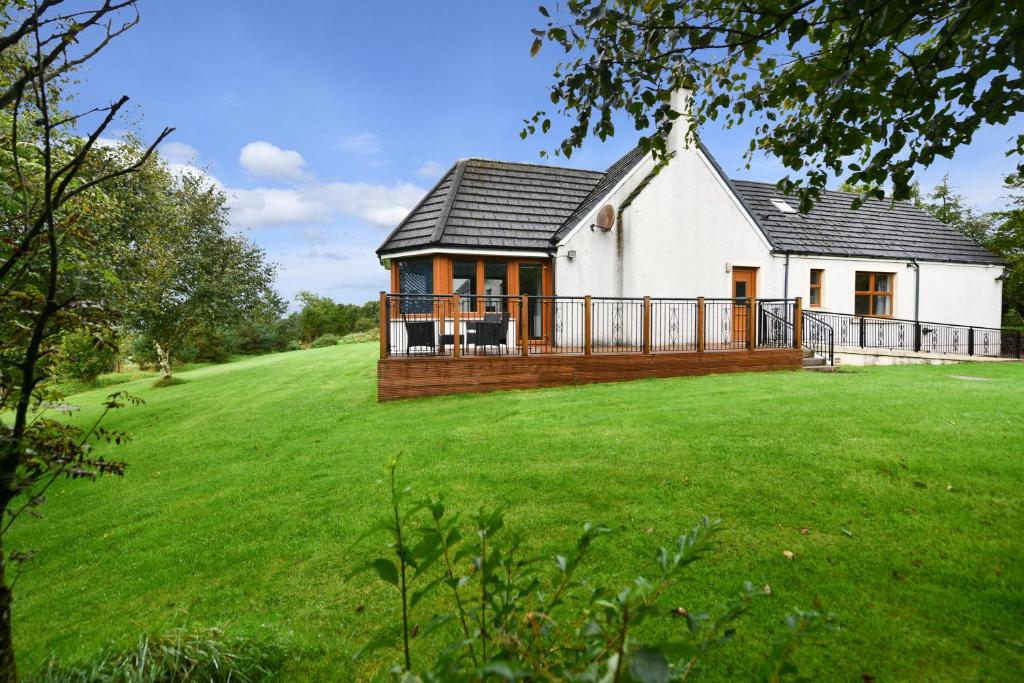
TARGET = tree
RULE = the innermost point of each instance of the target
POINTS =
(1007, 239)
(180, 271)
(867, 92)
(51, 198)
(950, 207)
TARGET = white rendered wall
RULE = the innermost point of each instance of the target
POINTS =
(951, 293)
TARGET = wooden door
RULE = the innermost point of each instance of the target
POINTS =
(744, 288)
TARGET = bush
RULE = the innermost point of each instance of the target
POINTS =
(325, 340)
(293, 345)
(174, 658)
(360, 337)
(508, 617)
(82, 356)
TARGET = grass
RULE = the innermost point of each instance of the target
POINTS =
(249, 480)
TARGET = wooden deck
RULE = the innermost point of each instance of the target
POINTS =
(412, 377)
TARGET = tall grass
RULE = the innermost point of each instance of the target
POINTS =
(204, 656)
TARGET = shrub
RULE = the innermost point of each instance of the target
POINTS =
(293, 345)
(360, 337)
(176, 657)
(509, 617)
(82, 356)
(325, 340)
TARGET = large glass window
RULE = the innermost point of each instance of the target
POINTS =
(873, 295)
(531, 284)
(464, 284)
(495, 285)
(416, 284)
(817, 276)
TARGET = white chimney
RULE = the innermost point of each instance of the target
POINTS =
(681, 100)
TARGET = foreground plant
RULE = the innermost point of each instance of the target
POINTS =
(181, 655)
(503, 615)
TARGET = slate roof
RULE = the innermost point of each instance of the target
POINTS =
(483, 204)
(878, 229)
(611, 178)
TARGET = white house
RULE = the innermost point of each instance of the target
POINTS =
(492, 229)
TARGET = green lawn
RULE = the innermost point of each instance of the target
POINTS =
(248, 482)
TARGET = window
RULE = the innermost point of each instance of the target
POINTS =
(783, 206)
(873, 295)
(481, 285)
(416, 277)
(464, 284)
(817, 275)
(495, 285)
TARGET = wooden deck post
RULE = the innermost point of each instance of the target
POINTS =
(385, 325)
(798, 322)
(647, 324)
(700, 324)
(524, 324)
(751, 324)
(588, 310)
(456, 310)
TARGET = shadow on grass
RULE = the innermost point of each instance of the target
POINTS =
(168, 382)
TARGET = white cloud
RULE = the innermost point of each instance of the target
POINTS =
(430, 170)
(367, 144)
(264, 159)
(341, 271)
(178, 153)
(379, 205)
(263, 207)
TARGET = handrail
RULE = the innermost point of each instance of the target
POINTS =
(821, 328)
(427, 324)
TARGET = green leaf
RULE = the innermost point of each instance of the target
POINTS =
(537, 42)
(373, 646)
(649, 666)
(386, 570)
(501, 670)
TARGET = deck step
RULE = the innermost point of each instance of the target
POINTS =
(813, 361)
(820, 368)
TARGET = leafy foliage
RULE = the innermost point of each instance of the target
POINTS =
(325, 340)
(82, 356)
(180, 275)
(54, 276)
(321, 315)
(510, 616)
(866, 92)
(176, 657)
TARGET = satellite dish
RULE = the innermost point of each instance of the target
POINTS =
(605, 217)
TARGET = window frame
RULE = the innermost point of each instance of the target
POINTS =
(872, 293)
(819, 288)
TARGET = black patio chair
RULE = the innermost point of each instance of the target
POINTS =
(419, 333)
(492, 331)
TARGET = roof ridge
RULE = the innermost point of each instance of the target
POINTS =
(533, 164)
(449, 201)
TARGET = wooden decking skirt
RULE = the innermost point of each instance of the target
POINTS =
(410, 377)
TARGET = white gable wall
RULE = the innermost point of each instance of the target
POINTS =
(676, 238)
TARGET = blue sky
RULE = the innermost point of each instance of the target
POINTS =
(326, 121)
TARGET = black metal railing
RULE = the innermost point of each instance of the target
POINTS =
(775, 323)
(897, 334)
(818, 336)
(454, 325)
(674, 324)
(617, 325)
